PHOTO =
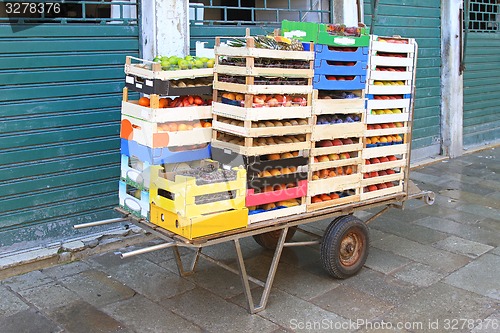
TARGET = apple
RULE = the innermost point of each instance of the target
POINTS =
(372, 188)
(384, 159)
(381, 186)
(390, 171)
(382, 173)
(389, 184)
(323, 158)
(324, 143)
(392, 158)
(333, 157)
(367, 162)
(336, 142)
(347, 141)
(344, 156)
(374, 160)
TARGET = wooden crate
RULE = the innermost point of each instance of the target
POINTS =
(185, 190)
(260, 113)
(155, 114)
(315, 166)
(383, 192)
(199, 226)
(401, 103)
(405, 129)
(385, 150)
(377, 43)
(356, 146)
(389, 76)
(387, 61)
(387, 118)
(339, 106)
(151, 135)
(345, 130)
(249, 149)
(152, 70)
(334, 184)
(311, 207)
(406, 88)
(258, 89)
(247, 130)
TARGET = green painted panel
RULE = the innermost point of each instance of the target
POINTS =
(420, 20)
(49, 151)
(60, 98)
(481, 89)
(61, 75)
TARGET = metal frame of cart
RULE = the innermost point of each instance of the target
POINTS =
(343, 246)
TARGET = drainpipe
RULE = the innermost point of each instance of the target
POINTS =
(164, 28)
(451, 78)
(346, 12)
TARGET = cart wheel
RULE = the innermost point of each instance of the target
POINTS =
(429, 198)
(344, 248)
(269, 240)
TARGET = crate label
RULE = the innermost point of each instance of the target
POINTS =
(138, 86)
(149, 83)
(132, 204)
(227, 151)
(344, 41)
(129, 79)
(295, 33)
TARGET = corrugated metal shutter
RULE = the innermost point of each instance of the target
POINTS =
(60, 95)
(481, 80)
(419, 19)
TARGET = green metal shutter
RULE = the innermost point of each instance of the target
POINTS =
(481, 78)
(419, 19)
(60, 97)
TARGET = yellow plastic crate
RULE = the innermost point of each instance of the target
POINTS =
(185, 190)
(193, 227)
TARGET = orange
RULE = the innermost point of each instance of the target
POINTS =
(182, 127)
(173, 127)
(163, 103)
(207, 124)
(144, 101)
(325, 197)
(316, 199)
(197, 125)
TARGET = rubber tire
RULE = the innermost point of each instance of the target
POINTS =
(330, 251)
(269, 240)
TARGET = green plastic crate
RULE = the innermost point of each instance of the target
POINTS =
(303, 31)
(343, 41)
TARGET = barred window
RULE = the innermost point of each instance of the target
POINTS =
(484, 16)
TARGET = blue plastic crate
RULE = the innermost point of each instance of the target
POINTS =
(157, 156)
(321, 82)
(328, 67)
(325, 52)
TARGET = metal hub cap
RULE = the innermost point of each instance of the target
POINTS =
(350, 249)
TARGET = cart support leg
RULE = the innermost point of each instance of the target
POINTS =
(180, 266)
(270, 275)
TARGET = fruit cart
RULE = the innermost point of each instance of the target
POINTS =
(285, 149)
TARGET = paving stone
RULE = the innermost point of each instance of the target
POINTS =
(487, 212)
(384, 287)
(491, 324)
(451, 214)
(214, 314)
(27, 281)
(496, 251)
(419, 274)
(49, 296)
(28, 321)
(409, 231)
(492, 184)
(490, 224)
(403, 216)
(440, 302)
(147, 278)
(480, 276)
(97, 288)
(352, 304)
(306, 258)
(473, 198)
(64, 270)
(426, 254)
(297, 315)
(425, 177)
(463, 246)
(81, 317)
(143, 315)
(469, 232)
(385, 262)
(11, 303)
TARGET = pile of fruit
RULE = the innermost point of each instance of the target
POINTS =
(174, 63)
(275, 100)
(337, 119)
(265, 123)
(198, 82)
(390, 69)
(331, 157)
(386, 111)
(261, 80)
(376, 141)
(393, 40)
(268, 141)
(343, 30)
(383, 126)
(214, 197)
(342, 49)
(325, 197)
(184, 126)
(188, 147)
(340, 77)
(383, 159)
(270, 43)
(377, 187)
(275, 157)
(209, 174)
(267, 62)
(333, 172)
(180, 101)
(336, 94)
(341, 63)
(389, 54)
(389, 83)
(387, 97)
(335, 142)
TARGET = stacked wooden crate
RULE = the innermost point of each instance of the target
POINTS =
(156, 130)
(338, 121)
(388, 115)
(262, 121)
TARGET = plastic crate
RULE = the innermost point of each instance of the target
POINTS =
(321, 82)
(303, 31)
(155, 156)
(336, 67)
(328, 52)
(138, 206)
(160, 87)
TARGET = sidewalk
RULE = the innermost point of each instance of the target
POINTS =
(430, 269)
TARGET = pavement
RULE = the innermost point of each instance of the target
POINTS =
(430, 269)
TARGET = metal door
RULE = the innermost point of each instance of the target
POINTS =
(61, 77)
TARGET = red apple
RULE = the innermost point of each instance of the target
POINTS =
(336, 142)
